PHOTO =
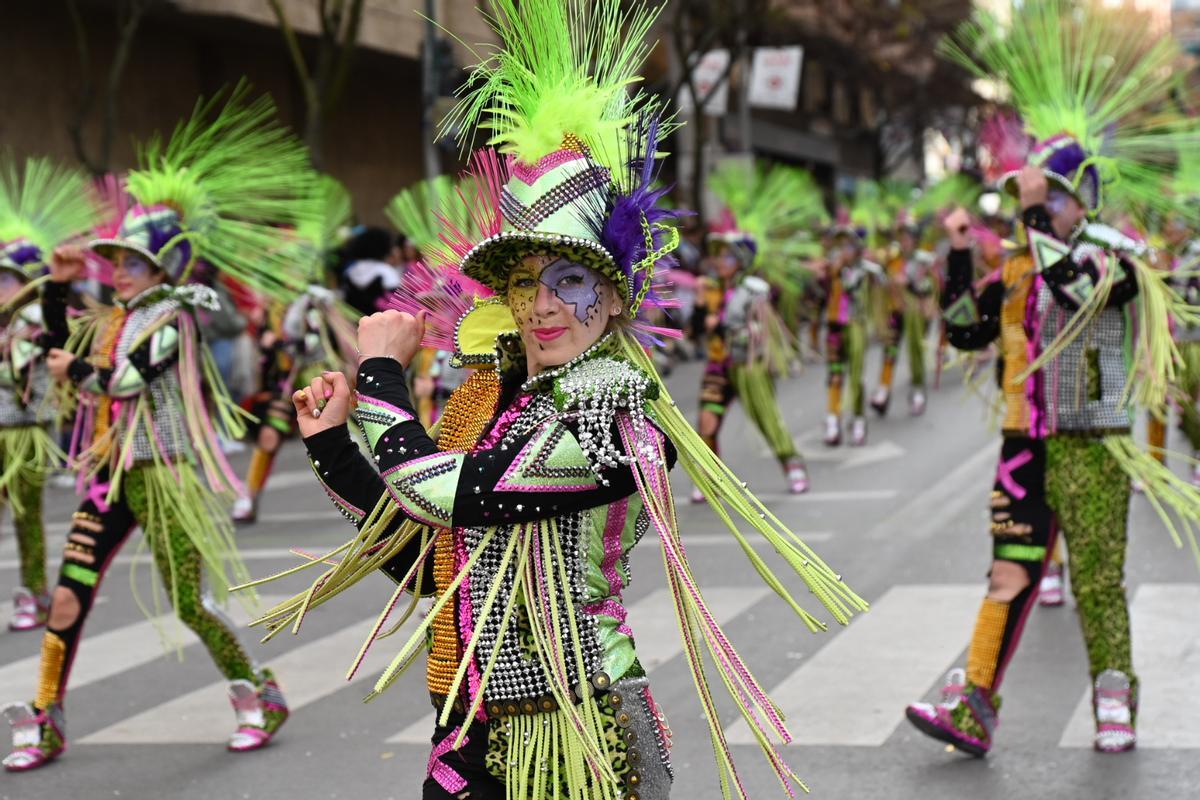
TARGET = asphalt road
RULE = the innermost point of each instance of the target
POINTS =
(903, 519)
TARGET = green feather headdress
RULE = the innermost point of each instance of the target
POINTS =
(323, 228)
(41, 206)
(951, 191)
(1082, 71)
(776, 207)
(562, 70)
(418, 211)
(237, 179)
(871, 209)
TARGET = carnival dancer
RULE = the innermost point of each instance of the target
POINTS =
(150, 402)
(552, 458)
(848, 275)
(1070, 379)
(41, 207)
(757, 245)
(301, 339)
(909, 294)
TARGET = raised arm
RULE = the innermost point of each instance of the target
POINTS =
(971, 313)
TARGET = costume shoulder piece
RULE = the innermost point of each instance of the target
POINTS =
(1100, 235)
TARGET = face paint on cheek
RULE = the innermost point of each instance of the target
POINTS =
(136, 267)
(574, 285)
(1056, 203)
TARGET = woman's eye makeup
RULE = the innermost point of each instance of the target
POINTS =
(574, 285)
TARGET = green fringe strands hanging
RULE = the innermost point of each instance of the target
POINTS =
(756, 389)
(29, 449)
(1174, 499)
(44, 203)
(239, 179)
(1082, 69)
(560, 68)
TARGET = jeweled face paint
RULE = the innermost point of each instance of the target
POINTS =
(574, 285)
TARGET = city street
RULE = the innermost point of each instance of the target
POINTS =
(902, 518)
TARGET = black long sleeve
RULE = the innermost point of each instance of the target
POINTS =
(972, 317)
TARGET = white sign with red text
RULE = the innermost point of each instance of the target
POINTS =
(775, 77)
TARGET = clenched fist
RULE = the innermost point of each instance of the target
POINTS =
(66, 264)
(391, 334)
(323, 404)
(1033, 186)
(958, 228)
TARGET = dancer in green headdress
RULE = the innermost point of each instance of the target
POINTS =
(41, 207)
(151, 403)
(551, 462)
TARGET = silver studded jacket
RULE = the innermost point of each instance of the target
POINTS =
(551, 457)
(144, 363)
(24, 382)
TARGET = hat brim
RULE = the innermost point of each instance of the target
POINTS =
(15, 269)
(491, 261)
(107, 248)
(847, 231)
(1008, 185)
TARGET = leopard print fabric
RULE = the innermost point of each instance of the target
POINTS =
(618, 752)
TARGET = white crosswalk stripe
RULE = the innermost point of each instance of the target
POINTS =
(853, 690)
(306, 674)
(113, 652)
(1166, 655)
(653, 621)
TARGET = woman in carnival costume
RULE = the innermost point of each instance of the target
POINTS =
(910, 288)
(150, 400)
(41, 208)
(848, 275)
(1073, 370)
(309, 335)
(551, 461)
(758, 245)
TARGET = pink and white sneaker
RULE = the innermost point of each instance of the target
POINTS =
(881, 400)
(966, 717)
(1114, 707)
(698, 496)
(245, 510)
(38, 737)
(833, 430)
(916, 402)
(260, 711)
(1050, 590)
(29, 610)
(858, 431)
(797, 475)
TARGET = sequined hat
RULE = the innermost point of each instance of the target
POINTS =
(1067, 165)
(155, 232)
(22, 257)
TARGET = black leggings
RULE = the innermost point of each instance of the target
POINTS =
(98, 531)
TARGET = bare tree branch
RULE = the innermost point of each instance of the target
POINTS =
(293, 46)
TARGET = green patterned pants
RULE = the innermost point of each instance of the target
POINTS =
(98, 531)
(23, 495)
(1089, 494)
